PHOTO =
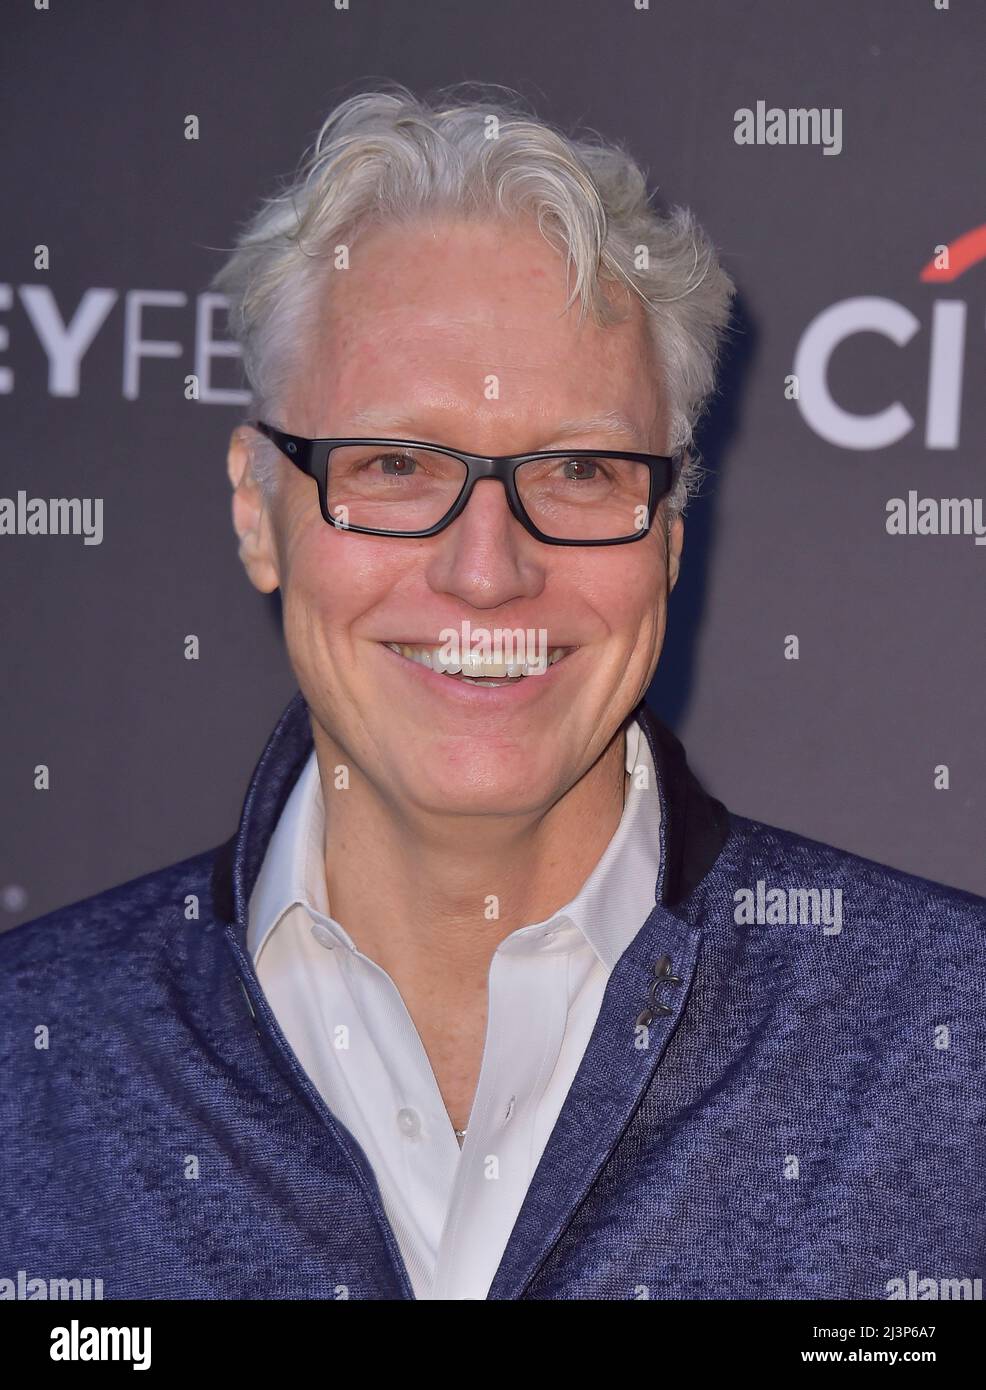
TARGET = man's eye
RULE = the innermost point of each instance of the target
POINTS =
(397, 465)
(578, 469)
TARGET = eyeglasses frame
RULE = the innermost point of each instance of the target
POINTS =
(311, 456)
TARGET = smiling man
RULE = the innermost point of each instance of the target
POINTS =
(487, 997)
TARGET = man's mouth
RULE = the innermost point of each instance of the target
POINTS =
(474, 671)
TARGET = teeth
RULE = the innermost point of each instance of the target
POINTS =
(471, 667)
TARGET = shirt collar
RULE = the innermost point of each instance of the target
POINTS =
(288, 874)
(607, 912)
(695, 826)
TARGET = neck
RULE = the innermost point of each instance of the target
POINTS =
(416, 895)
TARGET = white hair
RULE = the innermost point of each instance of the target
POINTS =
(386, 156)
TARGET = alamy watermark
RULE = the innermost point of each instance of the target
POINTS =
(797, 125)
(936, 516)
(950, 1288)
(52, 516)
(799, 907)
(30, 1288)
(466, 647)
(77, 1342)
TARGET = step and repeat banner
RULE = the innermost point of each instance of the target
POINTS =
(825, 662)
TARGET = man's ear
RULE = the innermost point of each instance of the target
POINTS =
(251, 515)
(676, 539)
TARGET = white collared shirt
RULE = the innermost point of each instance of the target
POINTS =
(451, 1211)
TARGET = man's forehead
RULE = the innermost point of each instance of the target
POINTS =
(608, 422)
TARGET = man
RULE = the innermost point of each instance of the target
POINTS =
(487, 997)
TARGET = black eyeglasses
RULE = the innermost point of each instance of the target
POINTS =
(405, 487)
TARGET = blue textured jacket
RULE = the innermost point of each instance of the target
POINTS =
(802, 1116)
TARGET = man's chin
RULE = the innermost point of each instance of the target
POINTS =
(479, 790)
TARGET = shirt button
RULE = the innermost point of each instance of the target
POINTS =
(323, 936)
(409, 1123)
(511, 1104)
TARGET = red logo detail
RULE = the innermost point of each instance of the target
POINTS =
(965, 251)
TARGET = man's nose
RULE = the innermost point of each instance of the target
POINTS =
(485, 556)
(488, 507)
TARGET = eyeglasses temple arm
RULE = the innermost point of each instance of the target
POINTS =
(293, 446)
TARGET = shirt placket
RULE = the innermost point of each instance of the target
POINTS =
(528, 1009)
(401, 1104)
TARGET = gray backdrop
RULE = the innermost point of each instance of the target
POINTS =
(150, 753)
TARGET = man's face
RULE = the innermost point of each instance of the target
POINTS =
(415, 331)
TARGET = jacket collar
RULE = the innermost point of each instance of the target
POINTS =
(694, 824)
(604, 911)
(648, 990)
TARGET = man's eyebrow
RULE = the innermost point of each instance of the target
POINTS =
(611, 422)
